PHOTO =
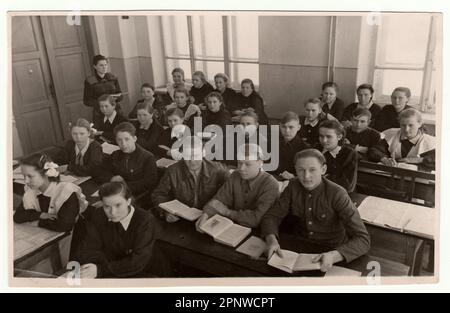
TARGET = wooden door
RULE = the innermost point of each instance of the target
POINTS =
(69, 64)
(34, 105)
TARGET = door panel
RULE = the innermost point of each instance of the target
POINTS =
(69, 65)
(34, 107)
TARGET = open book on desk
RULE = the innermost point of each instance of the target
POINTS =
(177, 208)
(294, 262)
(224, 231)
(401, 216)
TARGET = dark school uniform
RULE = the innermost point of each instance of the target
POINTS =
(287, 152)
(253, 101)
(101, 123)
(367, 138)
(325, 215)
(309, 133)
(149, 138)
(228, 96)
(81, 164)
(200, 94)
(138, 169)
(375, 109)
(388, 118)
(95, 86)
(119, 250)
(337, 109)
(342, 168)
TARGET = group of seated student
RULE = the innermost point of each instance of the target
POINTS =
(318, 154)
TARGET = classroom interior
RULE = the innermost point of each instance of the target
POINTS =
(288, 57)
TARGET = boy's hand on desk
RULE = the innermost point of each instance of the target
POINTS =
(200, 222)
(88, 271)
(170, 218)
(47, 216)
(327, 260)
(273, 246)
(389, 162)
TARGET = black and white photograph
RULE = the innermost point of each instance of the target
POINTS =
(172, 148)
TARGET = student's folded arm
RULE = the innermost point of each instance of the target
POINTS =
(139, 258)
(252, 218)
(23, 216)
(162, 193)
(271, 221)
(379, 151)
(67, 216)
(149, 180)
(358, 243)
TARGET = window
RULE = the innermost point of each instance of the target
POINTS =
(406, 56)
(212, 44)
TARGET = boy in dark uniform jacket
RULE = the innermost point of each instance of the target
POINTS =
(109, 119)
(360, 136)
(119, 243)
(290, 143)
(309, 131)
(319, 210)
(342, 161)
(131, 164)
(99, 84)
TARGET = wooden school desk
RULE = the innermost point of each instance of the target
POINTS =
(33, 245)
(397, 183)
(182, 245)
(398, 245)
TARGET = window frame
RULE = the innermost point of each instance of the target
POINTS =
(227, 60)
(429, 68)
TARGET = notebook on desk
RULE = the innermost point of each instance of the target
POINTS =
(401, 216)
(165, 163)
(225, 231)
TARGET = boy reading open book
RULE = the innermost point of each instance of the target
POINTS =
(323, 212)
(192, 181)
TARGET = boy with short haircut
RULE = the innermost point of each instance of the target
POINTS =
(360, 136)
(247, 194)
(290, 143)
(320, 211)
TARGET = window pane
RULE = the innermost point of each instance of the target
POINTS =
(176, 39)
(240, 71)
(184, 64)
(243, 34)
(403, 40)
(208, 36)
(210, 69)
(387, 80)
